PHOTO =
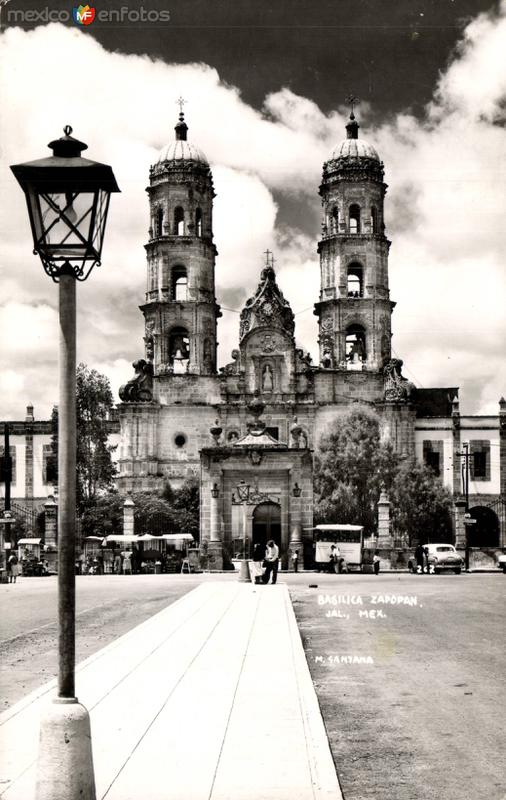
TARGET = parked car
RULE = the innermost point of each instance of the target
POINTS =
(441, 557)
(501, 562)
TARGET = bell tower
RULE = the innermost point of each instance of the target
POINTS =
(180, 308)
(354, 309)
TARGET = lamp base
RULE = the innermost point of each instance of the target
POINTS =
(244, 576)
(65, 760)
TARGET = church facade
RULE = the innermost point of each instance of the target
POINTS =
(248, 430)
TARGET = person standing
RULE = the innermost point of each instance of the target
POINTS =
(271, 562)
(426, 559)
(376, 562)
(295, 560)
(257, 569)
(12, 567)
(334, 558)
(127, 564)
(419, 557)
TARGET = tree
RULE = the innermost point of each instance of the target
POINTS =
(94, 404)
(421, 506)
(351, 466)
(95, 469)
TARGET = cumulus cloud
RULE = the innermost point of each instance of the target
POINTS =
(444, 212)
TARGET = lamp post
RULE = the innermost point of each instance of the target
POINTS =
(243, 494)
(68, 200)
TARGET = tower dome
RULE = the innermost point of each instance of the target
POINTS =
(180, 149)
(352, 147)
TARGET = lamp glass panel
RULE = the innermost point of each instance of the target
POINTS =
(66, 221)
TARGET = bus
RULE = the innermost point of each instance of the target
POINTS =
(348, 538)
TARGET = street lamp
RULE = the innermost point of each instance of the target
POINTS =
(68, 199)
(243, 494)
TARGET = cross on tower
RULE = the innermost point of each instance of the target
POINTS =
(353, 100)
(269, 258)
(180, 102)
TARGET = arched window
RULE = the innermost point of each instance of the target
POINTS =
(334, 220)
(355, 280)
(354, 219)
(179, 221)
(179, 349)
(374, 220)
(198, 222)
(356, 352)
(159, 222)
(179, 283)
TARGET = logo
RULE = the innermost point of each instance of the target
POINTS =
(83, 15)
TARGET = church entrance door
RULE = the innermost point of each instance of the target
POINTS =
(267, 523)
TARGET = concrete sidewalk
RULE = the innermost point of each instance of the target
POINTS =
(209, 699)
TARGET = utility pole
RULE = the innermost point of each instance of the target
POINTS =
(7, 476)
(465, 485)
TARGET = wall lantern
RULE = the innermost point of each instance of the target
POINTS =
(243, 491)
(68, 199)
(296, 491)
(215, 492)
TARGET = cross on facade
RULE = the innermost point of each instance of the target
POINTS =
(181, 102)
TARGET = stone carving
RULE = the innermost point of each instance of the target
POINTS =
(269, 344)
(267, 307)
(397, 388)
(140, 388)
(255, 456)
(233, 367)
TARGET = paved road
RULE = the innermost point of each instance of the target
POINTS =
(425, 720)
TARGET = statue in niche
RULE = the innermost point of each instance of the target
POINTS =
(267, 379)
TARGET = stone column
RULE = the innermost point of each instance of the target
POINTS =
(385, 539)
(460, 528)
(128, 515)
(50, 525)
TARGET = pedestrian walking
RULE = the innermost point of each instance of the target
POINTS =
(271, 562)
(116, 564)
(376, 562)
(127, 564)
(419, 557)
(295, 560)
(256, 566)
(12, 568)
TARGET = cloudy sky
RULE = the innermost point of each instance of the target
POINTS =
(265, 86)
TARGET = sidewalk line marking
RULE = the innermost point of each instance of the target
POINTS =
(233, 698)
(173, 689)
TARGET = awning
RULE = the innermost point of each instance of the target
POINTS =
(118, 537)
(174, 537)
(93, 538)
(146, 537)
(338, 528)
(29, 541)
